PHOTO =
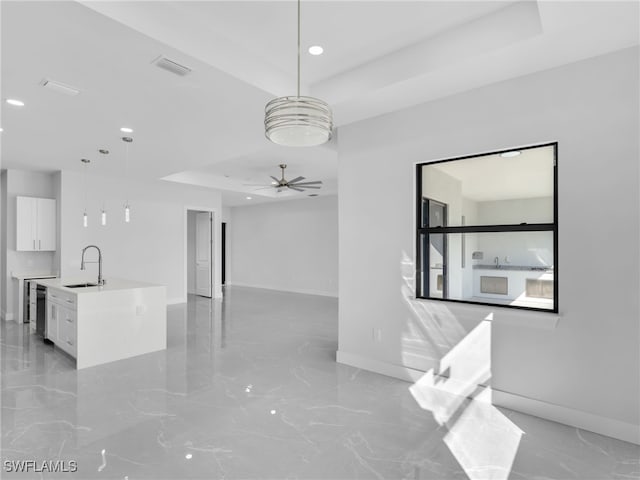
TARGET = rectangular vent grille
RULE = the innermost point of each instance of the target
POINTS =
(59, 87)
(171, 66)
(539, 288)
(495, 285)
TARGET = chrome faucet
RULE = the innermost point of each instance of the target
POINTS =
(497, 262)
(99, 262)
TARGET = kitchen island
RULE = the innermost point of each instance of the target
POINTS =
(100, 324)
(521, 285)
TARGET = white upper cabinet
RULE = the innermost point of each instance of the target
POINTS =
(35, 224)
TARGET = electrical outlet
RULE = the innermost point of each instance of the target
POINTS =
(377, 335)
(140, 310)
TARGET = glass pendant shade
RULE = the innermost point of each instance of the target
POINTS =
(127, 216)
(103, 218)
(298, 121)
(85, 220)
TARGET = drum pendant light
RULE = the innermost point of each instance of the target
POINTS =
(298, 121)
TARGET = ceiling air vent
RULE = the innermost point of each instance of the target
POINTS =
(59, 87)
(171, 66)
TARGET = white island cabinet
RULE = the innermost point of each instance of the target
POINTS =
(100, 324)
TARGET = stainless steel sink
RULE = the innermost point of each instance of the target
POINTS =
(81, 285)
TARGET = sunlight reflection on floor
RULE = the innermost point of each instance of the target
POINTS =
(456, 392)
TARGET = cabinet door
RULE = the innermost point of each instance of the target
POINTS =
(53, 312)
(67, 330)
(26, 224)
(46, 224)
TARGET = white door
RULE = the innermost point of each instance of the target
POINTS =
(46, 224)
(203, 254)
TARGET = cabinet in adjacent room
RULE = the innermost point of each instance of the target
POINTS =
(35, 224)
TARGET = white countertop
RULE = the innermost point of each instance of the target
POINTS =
(25, 276)
(111, 284)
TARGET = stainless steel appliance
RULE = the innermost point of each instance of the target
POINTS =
(29, 306)
(41, 311)
(35, 307)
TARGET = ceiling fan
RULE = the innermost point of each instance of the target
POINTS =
(296, 184)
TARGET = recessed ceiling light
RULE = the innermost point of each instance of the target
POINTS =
(513, 153)
(126, 130)
(15, 103)
(248, 198)
(316, 50)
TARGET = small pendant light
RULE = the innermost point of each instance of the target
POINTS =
(85, 219)
(127, 208)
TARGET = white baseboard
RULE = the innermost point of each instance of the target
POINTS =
(568, 416)
(304, 291)
(610, 427)
(396, 371)
(175, 301)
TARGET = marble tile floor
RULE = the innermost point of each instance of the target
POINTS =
(249, 388)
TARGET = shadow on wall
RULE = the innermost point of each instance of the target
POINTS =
(456, 386)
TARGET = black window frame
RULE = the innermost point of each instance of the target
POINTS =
(422, 232)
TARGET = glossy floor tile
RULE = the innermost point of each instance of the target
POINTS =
(249, 388)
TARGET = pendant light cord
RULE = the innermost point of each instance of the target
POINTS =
(126, 174)
(298, 48)
(84, 172)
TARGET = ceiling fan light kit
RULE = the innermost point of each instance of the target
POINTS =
(298, 121)
(296, 184)
(281, 184)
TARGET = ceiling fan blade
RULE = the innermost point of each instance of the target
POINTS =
(274, 179)
(317, 182)
(293, 187)
(297, 179)
(256, 185)
(307, 186)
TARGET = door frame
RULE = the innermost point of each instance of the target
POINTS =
(223, 253)
(215, 251)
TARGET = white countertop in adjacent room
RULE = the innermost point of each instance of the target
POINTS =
(26, 276)
(110, 285)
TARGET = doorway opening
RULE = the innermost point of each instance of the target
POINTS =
(200, 236)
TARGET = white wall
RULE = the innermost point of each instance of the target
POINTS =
(586, 370)
(226, 214)
(290, 245)
(191, 252)
(29, 184)
(3, 244)
(152, 247)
